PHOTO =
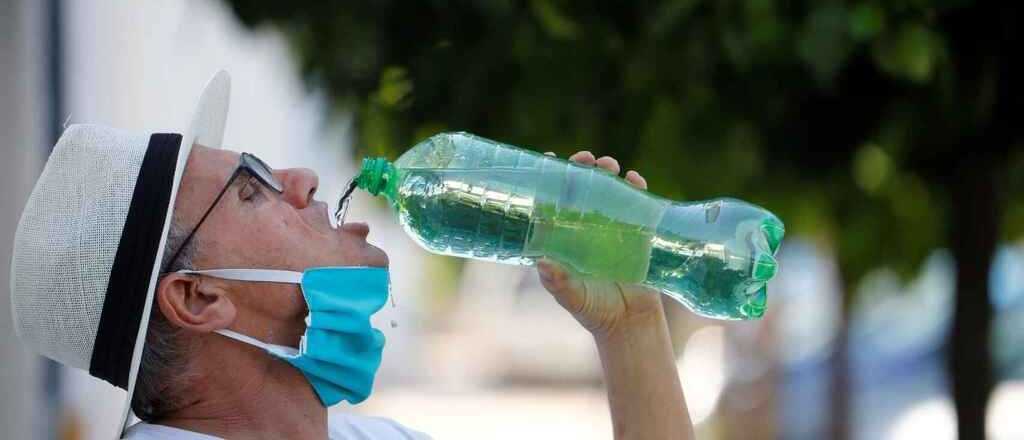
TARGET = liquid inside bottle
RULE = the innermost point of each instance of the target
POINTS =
(461, 195)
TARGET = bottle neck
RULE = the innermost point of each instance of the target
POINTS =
(377, 177)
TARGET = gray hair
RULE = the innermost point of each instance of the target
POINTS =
(164, 369)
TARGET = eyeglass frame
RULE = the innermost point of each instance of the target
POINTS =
(247, 163)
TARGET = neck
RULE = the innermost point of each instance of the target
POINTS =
(243, 392)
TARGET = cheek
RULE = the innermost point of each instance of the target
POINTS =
(289, 307)
(265, 238)
(278, 310)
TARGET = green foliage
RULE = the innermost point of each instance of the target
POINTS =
(818, 110)
(911, 53)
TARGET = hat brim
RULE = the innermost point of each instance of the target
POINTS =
(207, 129)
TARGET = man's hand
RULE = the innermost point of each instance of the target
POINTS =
(601, 307)
(629, 327)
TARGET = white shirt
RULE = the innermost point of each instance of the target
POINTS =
(340, 426)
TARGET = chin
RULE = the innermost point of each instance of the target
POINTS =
(376, 257)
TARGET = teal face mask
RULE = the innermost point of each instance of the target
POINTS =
(340, 351)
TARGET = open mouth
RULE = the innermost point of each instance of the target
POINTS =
(337, 223)
(321, 220)
(332, 220)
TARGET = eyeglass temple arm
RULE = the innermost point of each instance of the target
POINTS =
(202, 219)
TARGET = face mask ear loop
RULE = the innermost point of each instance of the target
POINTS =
(255, 275)
(272, 348)
(243, 338)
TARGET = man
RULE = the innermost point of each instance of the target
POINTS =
(126, 264)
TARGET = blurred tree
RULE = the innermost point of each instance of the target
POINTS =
(882, 129)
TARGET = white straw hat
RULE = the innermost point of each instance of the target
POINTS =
(89, 245)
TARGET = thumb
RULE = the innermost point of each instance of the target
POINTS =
(553, 275)
(566, 288)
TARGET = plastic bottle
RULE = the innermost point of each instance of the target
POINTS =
(463, 195)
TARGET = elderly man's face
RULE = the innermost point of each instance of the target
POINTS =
(253, 227)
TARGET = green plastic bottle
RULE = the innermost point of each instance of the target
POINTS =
(463, 195)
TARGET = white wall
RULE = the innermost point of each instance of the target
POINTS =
(22, 116)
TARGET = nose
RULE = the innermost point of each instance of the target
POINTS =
(299, 184)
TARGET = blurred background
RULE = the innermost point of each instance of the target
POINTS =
(884, 133)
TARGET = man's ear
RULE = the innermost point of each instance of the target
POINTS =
(189, 302)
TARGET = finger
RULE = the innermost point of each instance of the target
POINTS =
(609, 163)
(550, 153)
(583, 157)
(548, 270)
(636, 179)
(555, 277)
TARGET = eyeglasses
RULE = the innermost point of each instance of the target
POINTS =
(248, 164)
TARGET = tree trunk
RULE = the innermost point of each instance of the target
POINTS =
(839, 366)
(974, 229)
(985, 42)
